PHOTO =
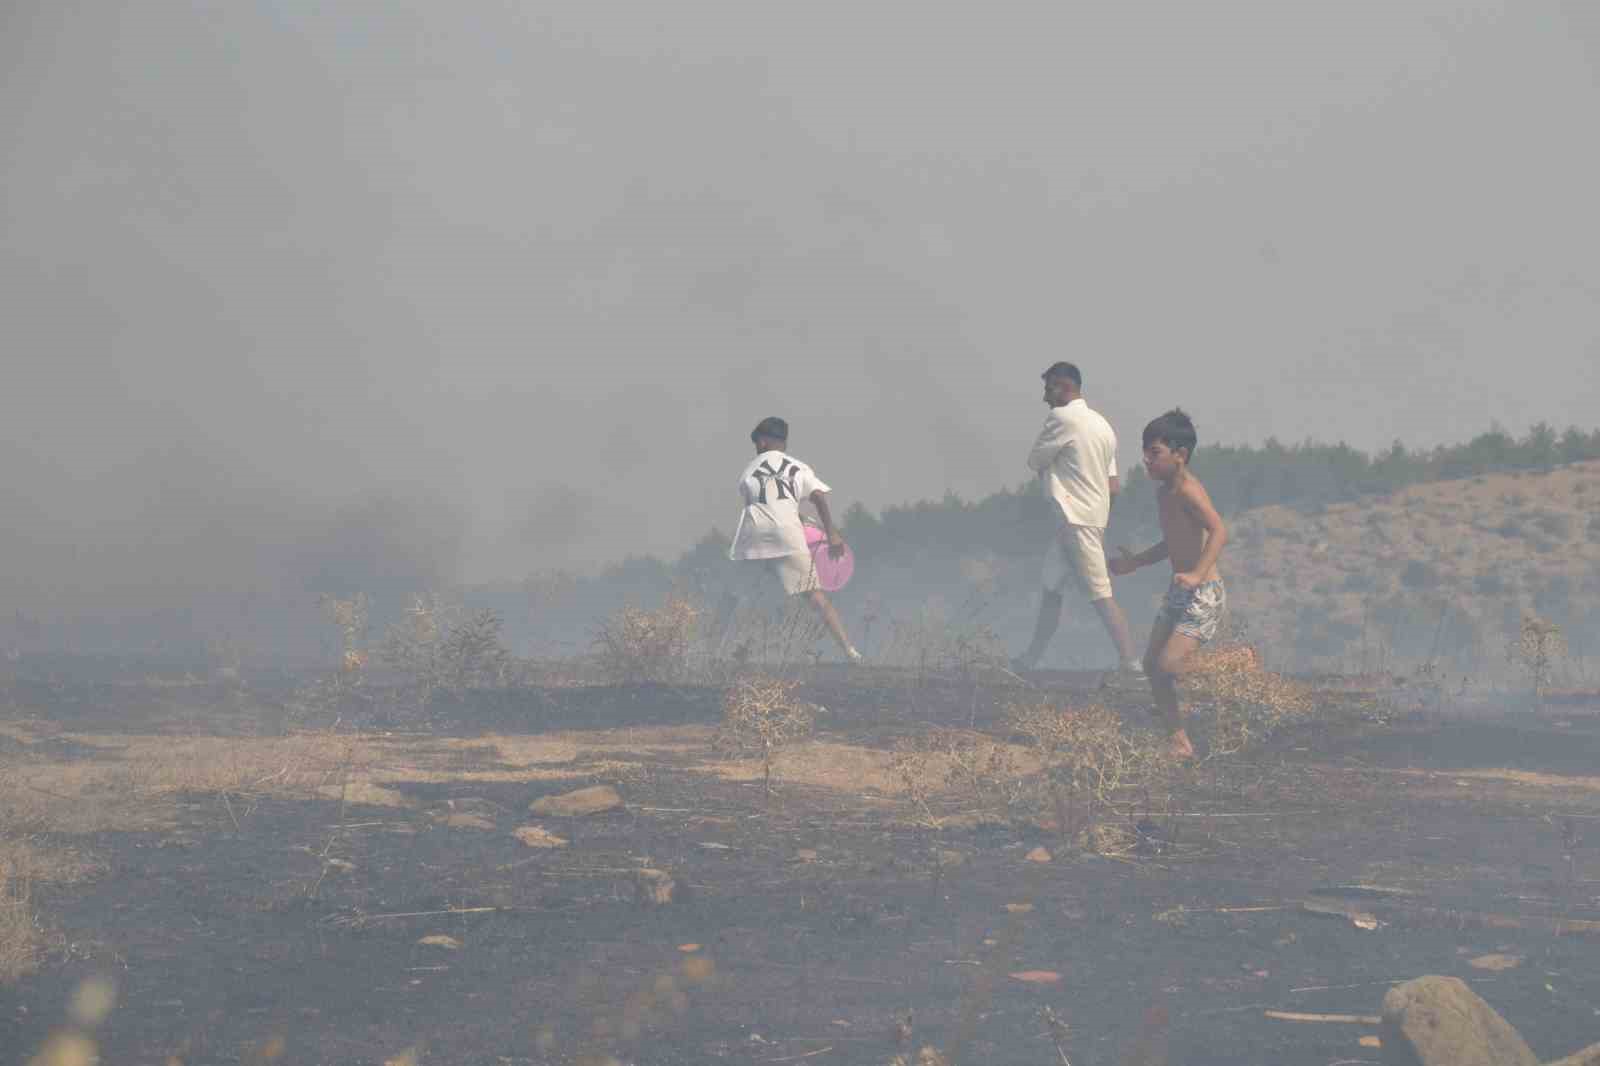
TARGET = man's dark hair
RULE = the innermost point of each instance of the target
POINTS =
(773, 428)
(1175, 429)
(1069, 371)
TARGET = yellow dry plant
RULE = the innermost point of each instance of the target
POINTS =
(1537, 647)
(637, 645)
(1088, 757)
(760, 717)
(1249, 703)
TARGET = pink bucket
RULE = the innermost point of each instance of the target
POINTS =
(832, 574)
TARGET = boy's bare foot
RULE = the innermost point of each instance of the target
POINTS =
(1179, 746)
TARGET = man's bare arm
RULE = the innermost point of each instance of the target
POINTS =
(819, 500)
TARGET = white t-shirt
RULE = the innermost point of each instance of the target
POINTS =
(1076, 458)
(772, 487)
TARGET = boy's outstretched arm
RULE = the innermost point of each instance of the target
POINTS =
(819, 500)
(1127, 562)
(1197, 502)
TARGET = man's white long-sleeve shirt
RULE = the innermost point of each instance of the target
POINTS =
(1076, 458)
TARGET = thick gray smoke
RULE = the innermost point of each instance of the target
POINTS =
(303, 297)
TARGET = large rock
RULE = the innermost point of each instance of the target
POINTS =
(594, 800)
(1439, 1021)
(1589, 1056)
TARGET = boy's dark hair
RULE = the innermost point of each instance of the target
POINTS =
(1175, 429)
(772, 428)
(1069, 371)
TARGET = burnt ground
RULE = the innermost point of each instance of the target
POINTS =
(271, 926)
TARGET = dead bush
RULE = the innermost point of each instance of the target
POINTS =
(960, 761)
(440, 647)
(1536, 649)
(637, 645)
(1248, 703)
(331, 696)
(761, 717)
(1088, 758)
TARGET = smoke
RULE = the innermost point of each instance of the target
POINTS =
(305, 296)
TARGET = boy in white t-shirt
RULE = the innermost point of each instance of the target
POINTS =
(770, 531)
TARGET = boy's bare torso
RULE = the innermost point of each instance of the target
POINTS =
(1180, 526)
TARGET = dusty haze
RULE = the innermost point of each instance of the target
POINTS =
(503, 288)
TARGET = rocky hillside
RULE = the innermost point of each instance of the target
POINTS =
(1446, 569)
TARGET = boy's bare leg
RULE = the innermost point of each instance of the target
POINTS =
(1043, 630)
(830, 618)
(1116, 624)
(1163, 662)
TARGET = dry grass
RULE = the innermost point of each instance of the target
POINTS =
(1088, 758)
(21, 939)
(24, 863)
(637, 645)
(959, 764)
(1248, 702)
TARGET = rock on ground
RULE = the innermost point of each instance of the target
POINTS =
(537, 836)
(654, 888)
(595, 800)
(1439, 1021)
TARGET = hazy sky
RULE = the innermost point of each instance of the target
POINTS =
(546, 264)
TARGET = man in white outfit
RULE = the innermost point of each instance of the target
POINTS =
(1075, 458)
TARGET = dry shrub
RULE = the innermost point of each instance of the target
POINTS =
(636, 645)
(961, 761)
(442, 648)
(331, 696)
(933, 647)
(1249, 703)
(1087, 758)
(1537, 647)
(760, 717)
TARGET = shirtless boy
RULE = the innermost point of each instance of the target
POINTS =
(1193, 539)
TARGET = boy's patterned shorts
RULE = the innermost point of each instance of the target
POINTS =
(1195, 612)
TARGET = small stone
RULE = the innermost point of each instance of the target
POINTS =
(1036, 977)
(950, 858)
(1020, 908)
(698, 968)
(1495, 962)
(466, 821)
(537, 836)
(653, 888)
(366, 793)
(1039, 855)
(806, 855)
(595, 800)
(440, 940)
